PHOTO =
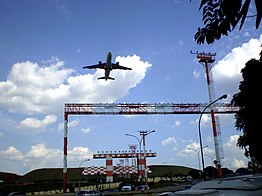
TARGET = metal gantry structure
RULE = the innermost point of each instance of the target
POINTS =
(144, 108)
(135, 109)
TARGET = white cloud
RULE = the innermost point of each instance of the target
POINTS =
(86, 130)
(39, 156)
(79, 154)
(196, 74)
(177, 124)
(168, 141)
(234, 156)
(191, 146)
(73, 123)
(70, 124)
(238, 164)
(12, 153)
(38, 151)
(227, 72)
(32, 88)
(34, 123)
(205, 121)
(232, 141)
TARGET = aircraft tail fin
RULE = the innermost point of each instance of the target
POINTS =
(108, 78)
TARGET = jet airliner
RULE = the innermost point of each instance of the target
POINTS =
(107, 66)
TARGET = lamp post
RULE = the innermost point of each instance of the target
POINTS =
(139, 156)
(199, 131)
(197, 151)
(143, 135)
(80, 174)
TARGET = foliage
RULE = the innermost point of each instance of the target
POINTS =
(227, 172)
(242, 171)
(248, 118)
(221, 17)
(194, 173)
(168, 171)
(210, 172)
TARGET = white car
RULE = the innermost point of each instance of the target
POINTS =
(126, 187)
(165, 194)
(88, 193)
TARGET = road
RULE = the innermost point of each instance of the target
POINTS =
(152, 192)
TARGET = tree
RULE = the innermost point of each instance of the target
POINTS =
(248, 119)
(242, 171)
(194, 173)
(221, 17)
(227, 172)
(210, 172)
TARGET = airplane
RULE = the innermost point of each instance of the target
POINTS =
(107, 66)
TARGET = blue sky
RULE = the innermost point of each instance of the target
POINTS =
(45, 44)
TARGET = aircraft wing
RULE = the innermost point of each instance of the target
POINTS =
(117, 66)
(97, 66)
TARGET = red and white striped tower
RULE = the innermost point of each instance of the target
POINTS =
(141, 165)
(65, 151)
(109, 168)
(207, 59)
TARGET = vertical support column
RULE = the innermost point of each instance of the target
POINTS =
(217, 150)
(144, 149)
(141, 163)
(109, 168)
(65, 152)
(138, 166)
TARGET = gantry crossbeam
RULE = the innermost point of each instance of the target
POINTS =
(137, 108)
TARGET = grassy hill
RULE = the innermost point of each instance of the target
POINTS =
(168, 171)
(52, 178)
(6, 177)
(56, 174)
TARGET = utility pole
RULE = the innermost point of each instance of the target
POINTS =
(143, 134)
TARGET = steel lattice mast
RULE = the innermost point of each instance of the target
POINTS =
(207, 59)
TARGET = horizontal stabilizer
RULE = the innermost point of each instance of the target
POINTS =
(110, 78)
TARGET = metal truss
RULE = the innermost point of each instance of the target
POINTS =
(144, 109)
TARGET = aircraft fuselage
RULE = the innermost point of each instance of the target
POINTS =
(107, 66)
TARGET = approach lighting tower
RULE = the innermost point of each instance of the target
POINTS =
(133, 147)
(207, 59)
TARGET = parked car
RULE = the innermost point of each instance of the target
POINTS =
(88, 193)
(142, 188)
(126, 187)
(17, 193)
(165, 194)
